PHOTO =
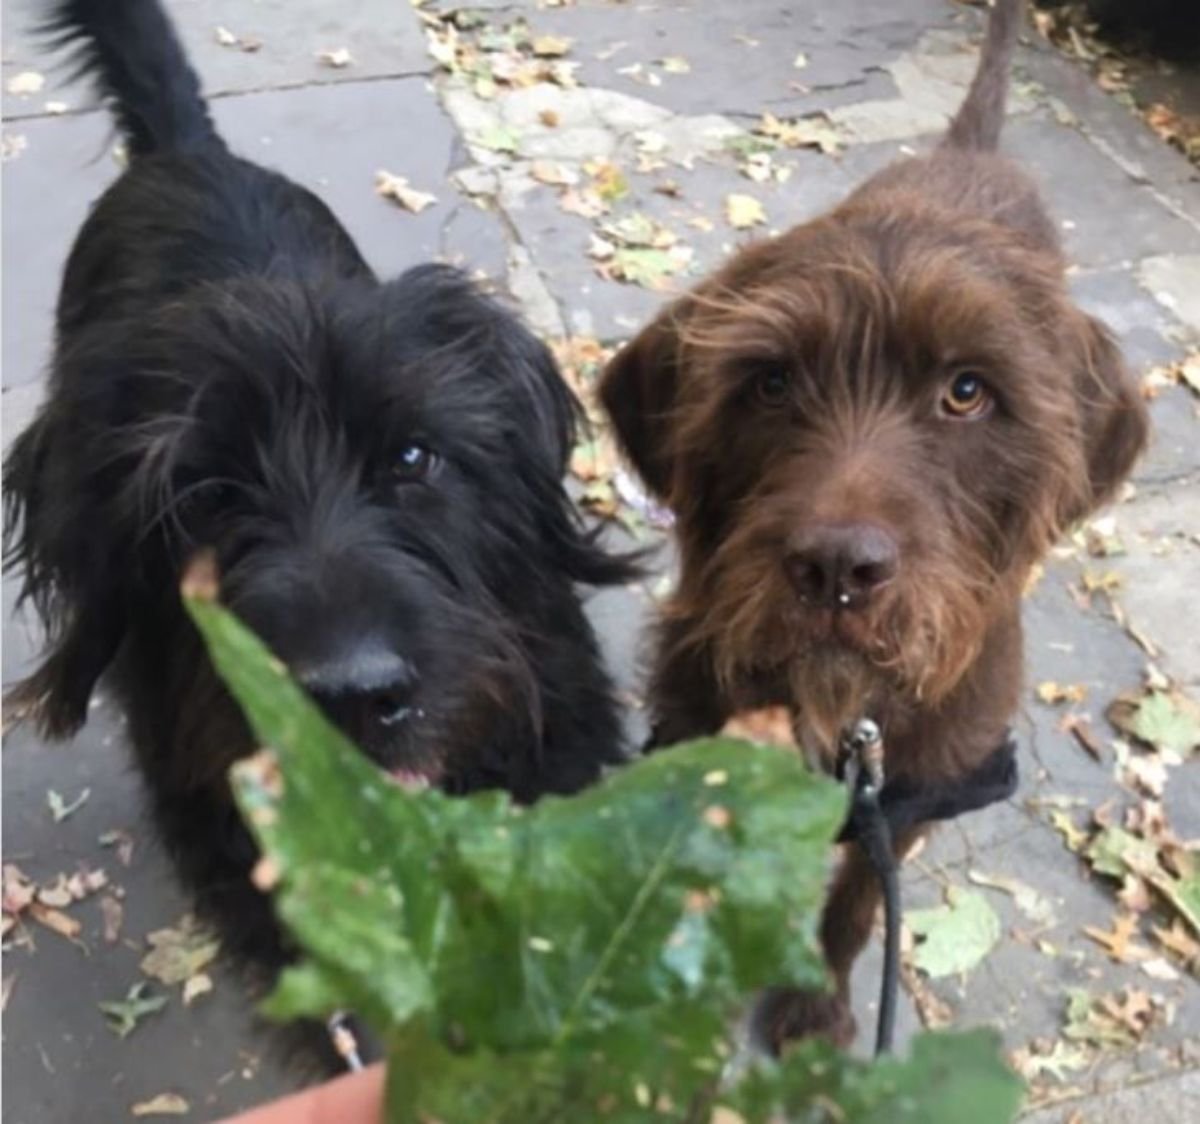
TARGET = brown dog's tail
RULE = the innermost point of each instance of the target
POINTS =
(977, 124)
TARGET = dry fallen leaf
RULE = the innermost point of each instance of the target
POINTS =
(26, 83)
(744, 211)
(179, 952)
(550, 46)
(165, 1104)
(338, 58)
(56, 921)
(805, 132)
(1118, 942)
(1165, 720)
(1080, 728)
(196, 986)
(112, 913)
(1052, 693)
(396, 188)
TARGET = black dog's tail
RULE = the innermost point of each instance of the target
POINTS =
(131, 50)
(978, 122)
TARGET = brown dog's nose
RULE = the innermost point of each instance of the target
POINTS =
(841, 565)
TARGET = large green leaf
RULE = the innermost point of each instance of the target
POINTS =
(586, 958)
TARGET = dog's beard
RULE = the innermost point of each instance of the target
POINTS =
(829, 690)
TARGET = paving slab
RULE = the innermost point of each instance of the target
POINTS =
(276, 43)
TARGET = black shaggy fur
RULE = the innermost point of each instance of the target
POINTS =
(377, 466)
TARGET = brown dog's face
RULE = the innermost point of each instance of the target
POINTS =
(869, 429)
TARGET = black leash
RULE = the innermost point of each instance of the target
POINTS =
(880, 809)
(861, 766)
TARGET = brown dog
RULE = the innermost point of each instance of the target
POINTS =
(869, 429)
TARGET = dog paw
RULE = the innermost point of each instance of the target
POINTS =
(788, 1015)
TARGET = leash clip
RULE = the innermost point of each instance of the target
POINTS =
(860, 756)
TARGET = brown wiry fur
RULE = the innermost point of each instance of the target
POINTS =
(936, 264)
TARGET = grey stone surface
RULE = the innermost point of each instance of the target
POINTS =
(1172, 1098)
(887, 74)
(382, 37)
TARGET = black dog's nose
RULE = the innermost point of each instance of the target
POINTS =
(362, 689)
(841, 565)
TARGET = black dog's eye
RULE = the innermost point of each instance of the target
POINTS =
(966, 396)
(772, 385)
(414, 462)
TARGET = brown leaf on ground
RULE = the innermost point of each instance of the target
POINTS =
(1052, 693)
(1179, 941)
(933, 1011)
(180, 951)
(56, 921)
(112, 913)
(19, 890)
(1079, 726)
(1118, 942)
(1120, 1019)
(397, 188)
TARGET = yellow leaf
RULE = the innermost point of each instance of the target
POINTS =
(550, 46)
(744, 211)
(165, 1104)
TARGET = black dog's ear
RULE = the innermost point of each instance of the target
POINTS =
(1114, 423)
(56, 532)
(638, 391)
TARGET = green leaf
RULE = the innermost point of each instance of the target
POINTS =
(586, 958)
(947, 1079)
(957, 936)
(123, 1015)
(1166, 720)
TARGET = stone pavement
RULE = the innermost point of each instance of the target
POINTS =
(668, 93)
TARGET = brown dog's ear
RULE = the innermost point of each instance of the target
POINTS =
(638, 392)
(1114, 422)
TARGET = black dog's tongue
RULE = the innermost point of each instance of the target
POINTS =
(411, 780)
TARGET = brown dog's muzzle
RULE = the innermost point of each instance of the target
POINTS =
(841, 566)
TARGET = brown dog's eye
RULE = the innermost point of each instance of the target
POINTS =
(967, 396)
(772, 385)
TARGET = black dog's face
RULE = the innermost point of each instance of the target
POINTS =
(376, 472)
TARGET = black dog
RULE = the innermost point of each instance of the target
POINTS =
(378, 468)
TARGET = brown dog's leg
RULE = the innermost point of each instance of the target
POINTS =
(845, 929)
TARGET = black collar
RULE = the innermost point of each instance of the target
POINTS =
(906, 802)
